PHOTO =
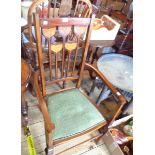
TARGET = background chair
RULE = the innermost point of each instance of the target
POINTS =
(65, 8)
(67, 110)
(124, 16)
(83, 8)
(124, 42)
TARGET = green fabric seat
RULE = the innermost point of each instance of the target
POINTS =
(72, 113)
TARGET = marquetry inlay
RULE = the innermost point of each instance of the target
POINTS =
(56, 47)
(49, 32)
(70, 46)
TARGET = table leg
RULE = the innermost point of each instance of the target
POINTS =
(94, 55)
(105, 92)
(126, 106)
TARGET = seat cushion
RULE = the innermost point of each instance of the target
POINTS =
(72, 113)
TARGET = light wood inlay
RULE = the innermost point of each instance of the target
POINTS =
(49, 32)
(70, 46)
(56, 47)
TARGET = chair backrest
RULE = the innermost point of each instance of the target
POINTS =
(46, 8)
(83, 8)
(63, 36)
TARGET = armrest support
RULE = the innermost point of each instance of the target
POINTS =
(116, 93)
(49, 125)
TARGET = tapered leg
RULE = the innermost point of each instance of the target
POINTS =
(49, 150)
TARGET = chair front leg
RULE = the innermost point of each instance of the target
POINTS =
(49, 150)
(103, 130)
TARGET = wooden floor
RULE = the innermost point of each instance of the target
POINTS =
(37, 130)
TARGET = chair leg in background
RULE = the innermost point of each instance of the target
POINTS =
(94, 55)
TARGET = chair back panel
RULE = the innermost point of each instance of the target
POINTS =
(83, 8)
(63, 46)
(45, 8)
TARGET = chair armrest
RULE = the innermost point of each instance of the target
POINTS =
(121, 99)
(117, 94)
(49, 125)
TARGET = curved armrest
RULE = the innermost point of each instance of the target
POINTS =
(48, 123)
(115, 92)
(120, 97)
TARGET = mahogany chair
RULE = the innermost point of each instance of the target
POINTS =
(67, 111)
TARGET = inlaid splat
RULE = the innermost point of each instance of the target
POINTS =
(56, 47)
(48, 33)
(63, 44)
(70, 46)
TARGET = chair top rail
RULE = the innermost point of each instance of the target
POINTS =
(48, 22)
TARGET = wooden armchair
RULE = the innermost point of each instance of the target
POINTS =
(67, 111)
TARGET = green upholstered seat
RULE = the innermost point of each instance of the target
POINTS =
(72, 113)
